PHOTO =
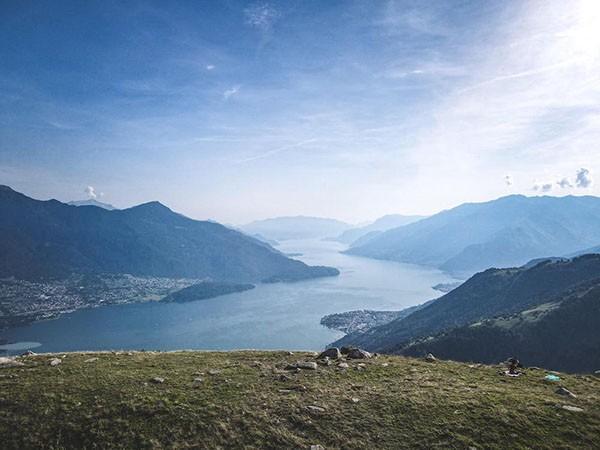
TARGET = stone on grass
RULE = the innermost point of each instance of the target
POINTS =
(343, 365)
(332, 353)
(55, 362)
(315, 409)
(306, 365)
(91, 360)
(430, 357)
(570, 408)
(214, 372)
(564, 391)
(10, 362)
(157, 380)
(357, 353)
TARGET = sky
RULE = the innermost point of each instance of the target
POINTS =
(235, 111)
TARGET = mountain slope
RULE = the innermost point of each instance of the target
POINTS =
(506, 232)
(299, 227)
(485, 295)
(50, 238)
(562, 335)
(382, 224)
(238, 400)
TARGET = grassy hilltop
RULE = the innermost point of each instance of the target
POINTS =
(247, 399)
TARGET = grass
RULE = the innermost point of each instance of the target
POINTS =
(245, 402)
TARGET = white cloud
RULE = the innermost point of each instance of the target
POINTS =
(542, 187)
(91, 192)
(210, 67)
(508, 180)
(231, 92)
(565, 183)
(584, 178)
(261, 16)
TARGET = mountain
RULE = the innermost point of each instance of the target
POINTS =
(50, 238)
(506, 232)
(562, 334)
(299, 227)
(595, 249)
(382, 224)
(486, 295)
(92, 202)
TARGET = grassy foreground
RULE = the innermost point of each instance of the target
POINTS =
(246, 399)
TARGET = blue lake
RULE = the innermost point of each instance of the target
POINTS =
(273, 316)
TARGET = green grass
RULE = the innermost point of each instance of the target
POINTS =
(402, 403)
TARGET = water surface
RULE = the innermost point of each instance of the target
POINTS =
(272, 316)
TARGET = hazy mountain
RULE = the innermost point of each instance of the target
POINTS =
(485, 295)
(561, 335)
(595, 249)
(299, 227)
(373, 229)
(50, 238)
(509, 231)
(92, 202)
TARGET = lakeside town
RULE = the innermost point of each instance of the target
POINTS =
(25, 301)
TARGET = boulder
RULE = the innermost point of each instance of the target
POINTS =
(307, 365)
(430, 357)
(10, 362)
(55, 362)
(331, 353)
(564, 391)
(357, 353)
(157, 380)
(343, 365)
(345, 350)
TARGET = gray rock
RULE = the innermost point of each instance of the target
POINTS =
(343, 365)
(91, 360)
(570, 408)
(317, 447)
(345, 350)
(331, 353)
(564, 391)
(315, 409)
(306, 365)
(357, 353)
(9, 362)
(214, 372)
(55, 362)
(430, 357)
(157, 380)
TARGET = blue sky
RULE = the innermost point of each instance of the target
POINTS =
(349, 109)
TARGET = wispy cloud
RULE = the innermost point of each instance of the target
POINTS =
(261, 16)
(227, 94)
(276, 151)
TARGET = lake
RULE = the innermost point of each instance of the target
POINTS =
(272, 316)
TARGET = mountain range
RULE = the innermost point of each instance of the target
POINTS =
(449, 322)
(53, 239)
(360, 235)
(506, 232)
(297, 227)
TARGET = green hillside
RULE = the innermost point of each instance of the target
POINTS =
(248, 400)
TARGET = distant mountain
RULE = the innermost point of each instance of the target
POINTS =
(50, 238)
(484, 296)
(382, 224)
(506, 232)
(92, 202)
(562, 334)
(586, 251)
(299, 227)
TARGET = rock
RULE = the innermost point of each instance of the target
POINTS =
(9, 362)
(290, 353)
(214, 372)
(332, 353)
(91, 360)
(343, 365)
(307, 365)
(430, 358)
(283, 377)
(357, 353)
(385, 364)
(570, 408)
(157, 380)
(197, 382)
(55, 362)
(564, 391)
(597, 373)
(28, 353)
(317, 447)
(345, 350)
(315, 409)
(354, 400)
